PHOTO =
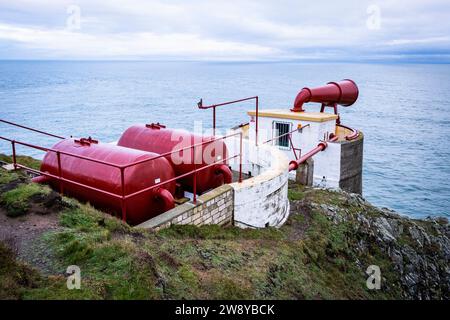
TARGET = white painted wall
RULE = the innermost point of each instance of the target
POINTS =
(263, 199)
(326, 163)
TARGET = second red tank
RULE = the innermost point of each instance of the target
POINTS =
(157, 138)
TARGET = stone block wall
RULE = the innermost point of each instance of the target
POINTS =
(214, 207)
(352, 165)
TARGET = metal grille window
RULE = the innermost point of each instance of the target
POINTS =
(281, 129)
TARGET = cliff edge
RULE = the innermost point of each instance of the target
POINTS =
(335, 245)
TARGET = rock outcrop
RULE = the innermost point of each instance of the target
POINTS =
(418, 250)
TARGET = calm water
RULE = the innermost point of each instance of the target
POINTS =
(404, 111)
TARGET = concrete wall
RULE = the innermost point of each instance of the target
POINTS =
(214, 207)
(339, 166)
(256, 202)
(308, 139)
(261, 200)
(327, 164)
(352, 164)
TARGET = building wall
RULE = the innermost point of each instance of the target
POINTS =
(327, 167)
(261, 200)
(256, 202)
(214, 207)
(352, 165)
(339, 166)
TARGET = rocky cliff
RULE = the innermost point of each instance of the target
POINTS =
(324, 251)
(417, 251)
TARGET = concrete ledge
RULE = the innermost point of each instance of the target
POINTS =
(9, 167)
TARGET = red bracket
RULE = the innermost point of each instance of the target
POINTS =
(86, 141)
(155, 126)
(331, 105)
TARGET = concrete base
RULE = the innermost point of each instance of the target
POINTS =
(352, 164)
(305, 173)
(9, 167)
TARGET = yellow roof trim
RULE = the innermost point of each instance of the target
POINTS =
(286, 114)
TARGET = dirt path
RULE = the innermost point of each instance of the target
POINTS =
(24, 236)
(298, 229)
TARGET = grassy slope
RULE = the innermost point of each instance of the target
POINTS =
(310, 257)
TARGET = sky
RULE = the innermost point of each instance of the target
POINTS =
(253, 30)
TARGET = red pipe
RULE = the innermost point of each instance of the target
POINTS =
(303, 96)
(166, 197)
(333, 138)
(293, 165)
(31, 129)
(354, 135)
(201, 106)
(225, 172)
(344, 92)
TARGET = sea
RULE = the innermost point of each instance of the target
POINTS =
(403, 110)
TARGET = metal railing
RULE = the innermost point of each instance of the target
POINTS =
(123, 197)
(31, 129)
(214, 106)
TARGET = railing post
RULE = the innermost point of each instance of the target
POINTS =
(292, 146)
(240, 157)
(123, 201)
(195, 175)
(214, 121)
(13, 144)
(61, 187)
(257, 117)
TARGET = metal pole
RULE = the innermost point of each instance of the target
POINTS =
(240, 158)
(214, 121)
(123, 200)
(257, 111)
(195, 175)
(61, 188)
(31, 129)
(292, 146)
(13, 143)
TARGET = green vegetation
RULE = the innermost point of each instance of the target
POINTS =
(23, 160)
(15, 277)
(17, 201)
(6, 177)
(310, 257)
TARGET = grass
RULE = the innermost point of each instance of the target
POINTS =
(16, 191)
(295, 194)
(15, 277)
(23, 160)
(17, 201)
(6, 177)
(189, 262)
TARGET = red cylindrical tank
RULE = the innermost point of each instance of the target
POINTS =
(344, 93)
(101, 176)
(156, 138)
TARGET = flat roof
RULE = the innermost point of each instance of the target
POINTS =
(287, 114)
